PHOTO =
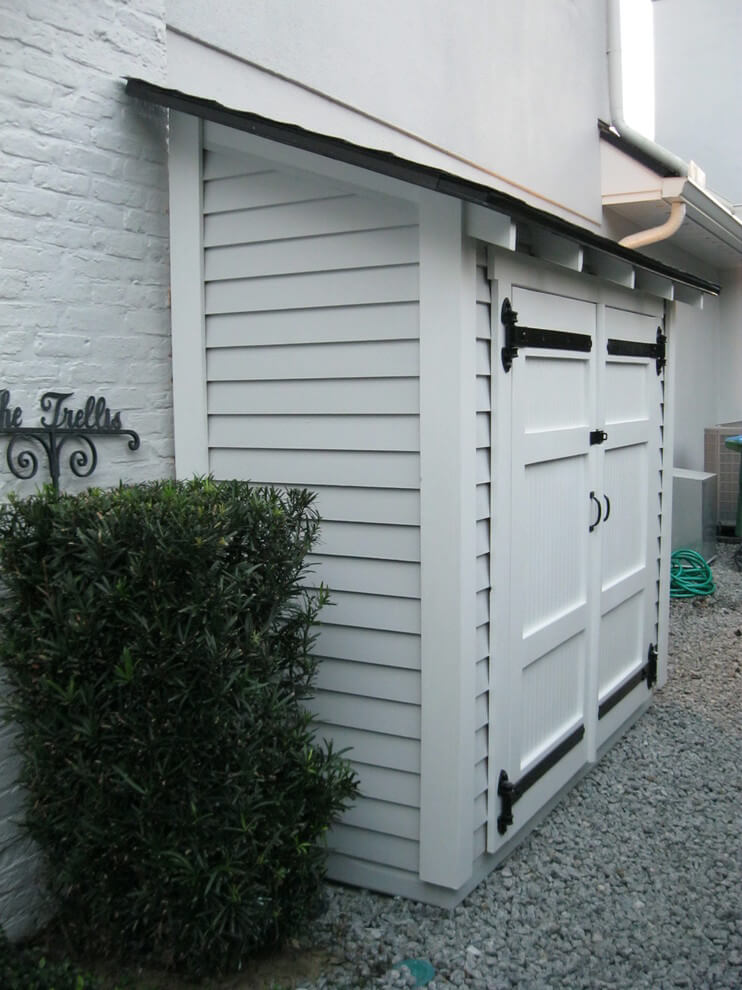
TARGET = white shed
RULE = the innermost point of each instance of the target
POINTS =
(476, 391)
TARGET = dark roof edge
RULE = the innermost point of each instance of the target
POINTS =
(386, 163)
(634, 151)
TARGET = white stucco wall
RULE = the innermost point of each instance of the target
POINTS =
(696, 342)
(512, 88)
(698, 82)
(730, 348)
(698, 79)
(84, 279)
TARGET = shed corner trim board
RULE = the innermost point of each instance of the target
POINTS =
(447, 551)
(187, 296)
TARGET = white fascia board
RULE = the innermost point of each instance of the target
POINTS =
(621, 175)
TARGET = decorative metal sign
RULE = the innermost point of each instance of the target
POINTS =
(60, 425)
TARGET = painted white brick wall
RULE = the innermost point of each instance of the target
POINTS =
(84, 273)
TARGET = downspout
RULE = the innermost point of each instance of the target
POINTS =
(615, 96)
(653, 234)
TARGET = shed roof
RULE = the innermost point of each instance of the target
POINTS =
(406, 170)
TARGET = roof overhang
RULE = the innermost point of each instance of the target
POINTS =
(492, 214)
(642, 193)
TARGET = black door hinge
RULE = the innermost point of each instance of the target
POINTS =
(638, 348)
(509, 319)
(647, 673)
(515, 337)
(661, 350)
(651, 667)
(510, 792)
(508, 796)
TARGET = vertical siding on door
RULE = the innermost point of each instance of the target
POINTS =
(660, 489)
(481, 659)
(617, 318)
(312, 355)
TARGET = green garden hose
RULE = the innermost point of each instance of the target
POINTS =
(690, 575)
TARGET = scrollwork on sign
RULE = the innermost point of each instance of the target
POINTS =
(82, 464)
(59, 426)
(24, 463)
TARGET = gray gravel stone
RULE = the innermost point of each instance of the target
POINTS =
(634, 881)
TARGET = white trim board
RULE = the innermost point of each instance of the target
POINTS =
(187, 296)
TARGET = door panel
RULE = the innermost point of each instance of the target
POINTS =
(625, 392)
(552, 701)
(622, 644)
(624, 531)
(632, 395)
(559, 394)
(582, 602)
(552, 399)
(555, 580)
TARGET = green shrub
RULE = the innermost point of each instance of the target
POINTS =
(157, 640)
(24, 968)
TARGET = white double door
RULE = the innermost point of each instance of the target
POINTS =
(575, 588)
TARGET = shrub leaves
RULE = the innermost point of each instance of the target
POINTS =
(157, 641)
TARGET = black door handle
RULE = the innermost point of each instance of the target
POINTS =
(607, 508)
(600, 511)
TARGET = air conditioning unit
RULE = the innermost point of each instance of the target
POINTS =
(724, 463)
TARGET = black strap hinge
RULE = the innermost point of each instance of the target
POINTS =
(509, 319)
(515, 337)
(651, 666)
(661, 350)
(638, 348)
(647, 673)
(508, 796)
(510, 792)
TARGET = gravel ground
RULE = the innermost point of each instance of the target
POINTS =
(634, 881)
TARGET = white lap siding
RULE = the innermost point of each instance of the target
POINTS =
(312, 355)
(482, 659)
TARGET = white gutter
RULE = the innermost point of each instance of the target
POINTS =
(628, 183)
(713, 215)
(615, 95)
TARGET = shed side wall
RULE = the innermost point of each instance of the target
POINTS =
(312, 357)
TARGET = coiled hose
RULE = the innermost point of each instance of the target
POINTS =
(690, 575)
